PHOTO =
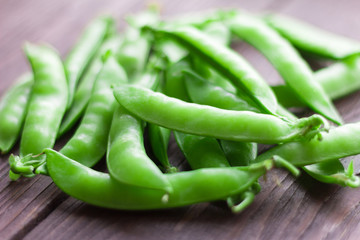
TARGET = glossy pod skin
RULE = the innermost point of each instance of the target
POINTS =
(296, 73)
(100, 189)
(134, 53)
(89, 143)
(338, 80)
(311, 39)
(204, 92)
(83, 91)
(213, 122)
(333, 171)
(334, 145)
(205, 152)
(13, 108)
(323, 155)
(85, 48)
(159, 142)
(227, 62)
(46, 107)
(127, 160)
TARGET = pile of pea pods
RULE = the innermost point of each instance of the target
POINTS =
(181, 77)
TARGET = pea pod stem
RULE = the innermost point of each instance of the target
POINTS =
(235, 125)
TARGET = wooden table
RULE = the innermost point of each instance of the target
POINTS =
(287, 208)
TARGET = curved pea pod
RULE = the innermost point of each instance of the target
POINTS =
(89, 143)
(227, 62)
(205, 152)
(190, 187)
(159, 142)
(47, 104)
(83, 91)
(13, 108)
(126, 158)
(338, 80)
(296, 73)
(84, 50)
(311, 39)
(213, 122)
(205, 92)
(135, 51)
(333, 172)
(334, 145)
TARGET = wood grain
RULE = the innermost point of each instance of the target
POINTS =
(287, 208)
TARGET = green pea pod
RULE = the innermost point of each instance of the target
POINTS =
(227, 62)
(13, 108)
(204, 92)
(201, 152)
(83, 92)
(333, 172)
(89, 143)
(47, 103)
(189, 187)
(204, 152)
(86, 47)
(134, 53)
(126, 158)
(338, 80)
(159, 141)
(296, 73)
(311, 39)
(235, 125)
(334, 145)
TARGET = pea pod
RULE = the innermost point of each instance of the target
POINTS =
(89, 143)
(133, 54)
(235, 125)
(46, 107)
(227, 62)
(13, 107)
(287, 61)
(312, 39)
(338, 80)
(80, 56)
(334, 145)
(189, 187)
(333, 172)
(83, 92)
(159, 141)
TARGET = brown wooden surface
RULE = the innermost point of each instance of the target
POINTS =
(287, 208)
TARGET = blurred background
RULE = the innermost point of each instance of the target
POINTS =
(61, 22)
